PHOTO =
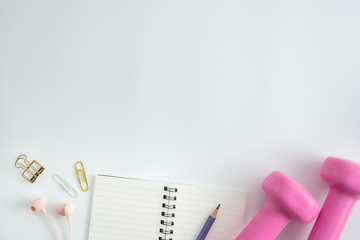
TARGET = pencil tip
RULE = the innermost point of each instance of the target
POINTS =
(218, 206)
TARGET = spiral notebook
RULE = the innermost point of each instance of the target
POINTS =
(133, 209)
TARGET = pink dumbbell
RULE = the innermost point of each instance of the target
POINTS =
(287, 200)
(344, 179)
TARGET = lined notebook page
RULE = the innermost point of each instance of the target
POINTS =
(125, 209)
(194, 205)
(130, 209)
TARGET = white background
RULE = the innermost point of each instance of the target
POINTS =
(216, 93)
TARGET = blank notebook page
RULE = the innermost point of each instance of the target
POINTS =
(130, 209)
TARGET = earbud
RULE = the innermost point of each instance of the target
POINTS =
(66, 209)
(38, 205)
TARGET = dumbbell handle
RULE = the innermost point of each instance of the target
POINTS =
(334, 215)
(267, 223)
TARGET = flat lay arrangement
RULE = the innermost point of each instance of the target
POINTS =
(128, 208)
(180, 120)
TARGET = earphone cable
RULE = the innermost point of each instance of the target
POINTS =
(56, 228)
(69, 230)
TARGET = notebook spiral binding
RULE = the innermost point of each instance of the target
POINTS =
(167, 213)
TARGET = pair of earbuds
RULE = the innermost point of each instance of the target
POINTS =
(64, 209)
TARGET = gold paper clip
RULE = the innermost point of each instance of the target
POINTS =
(65, 185)
(31, 170)
(82, 176)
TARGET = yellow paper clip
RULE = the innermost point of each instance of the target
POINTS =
(82, 176)
(31, 170)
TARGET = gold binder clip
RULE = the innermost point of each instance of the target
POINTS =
(82, 176)
(31, 170)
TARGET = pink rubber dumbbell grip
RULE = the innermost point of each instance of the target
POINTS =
(344, 179)
(287, 200)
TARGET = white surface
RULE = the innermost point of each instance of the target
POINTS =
(204, 92)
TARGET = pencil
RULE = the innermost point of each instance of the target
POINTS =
(209, 222)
